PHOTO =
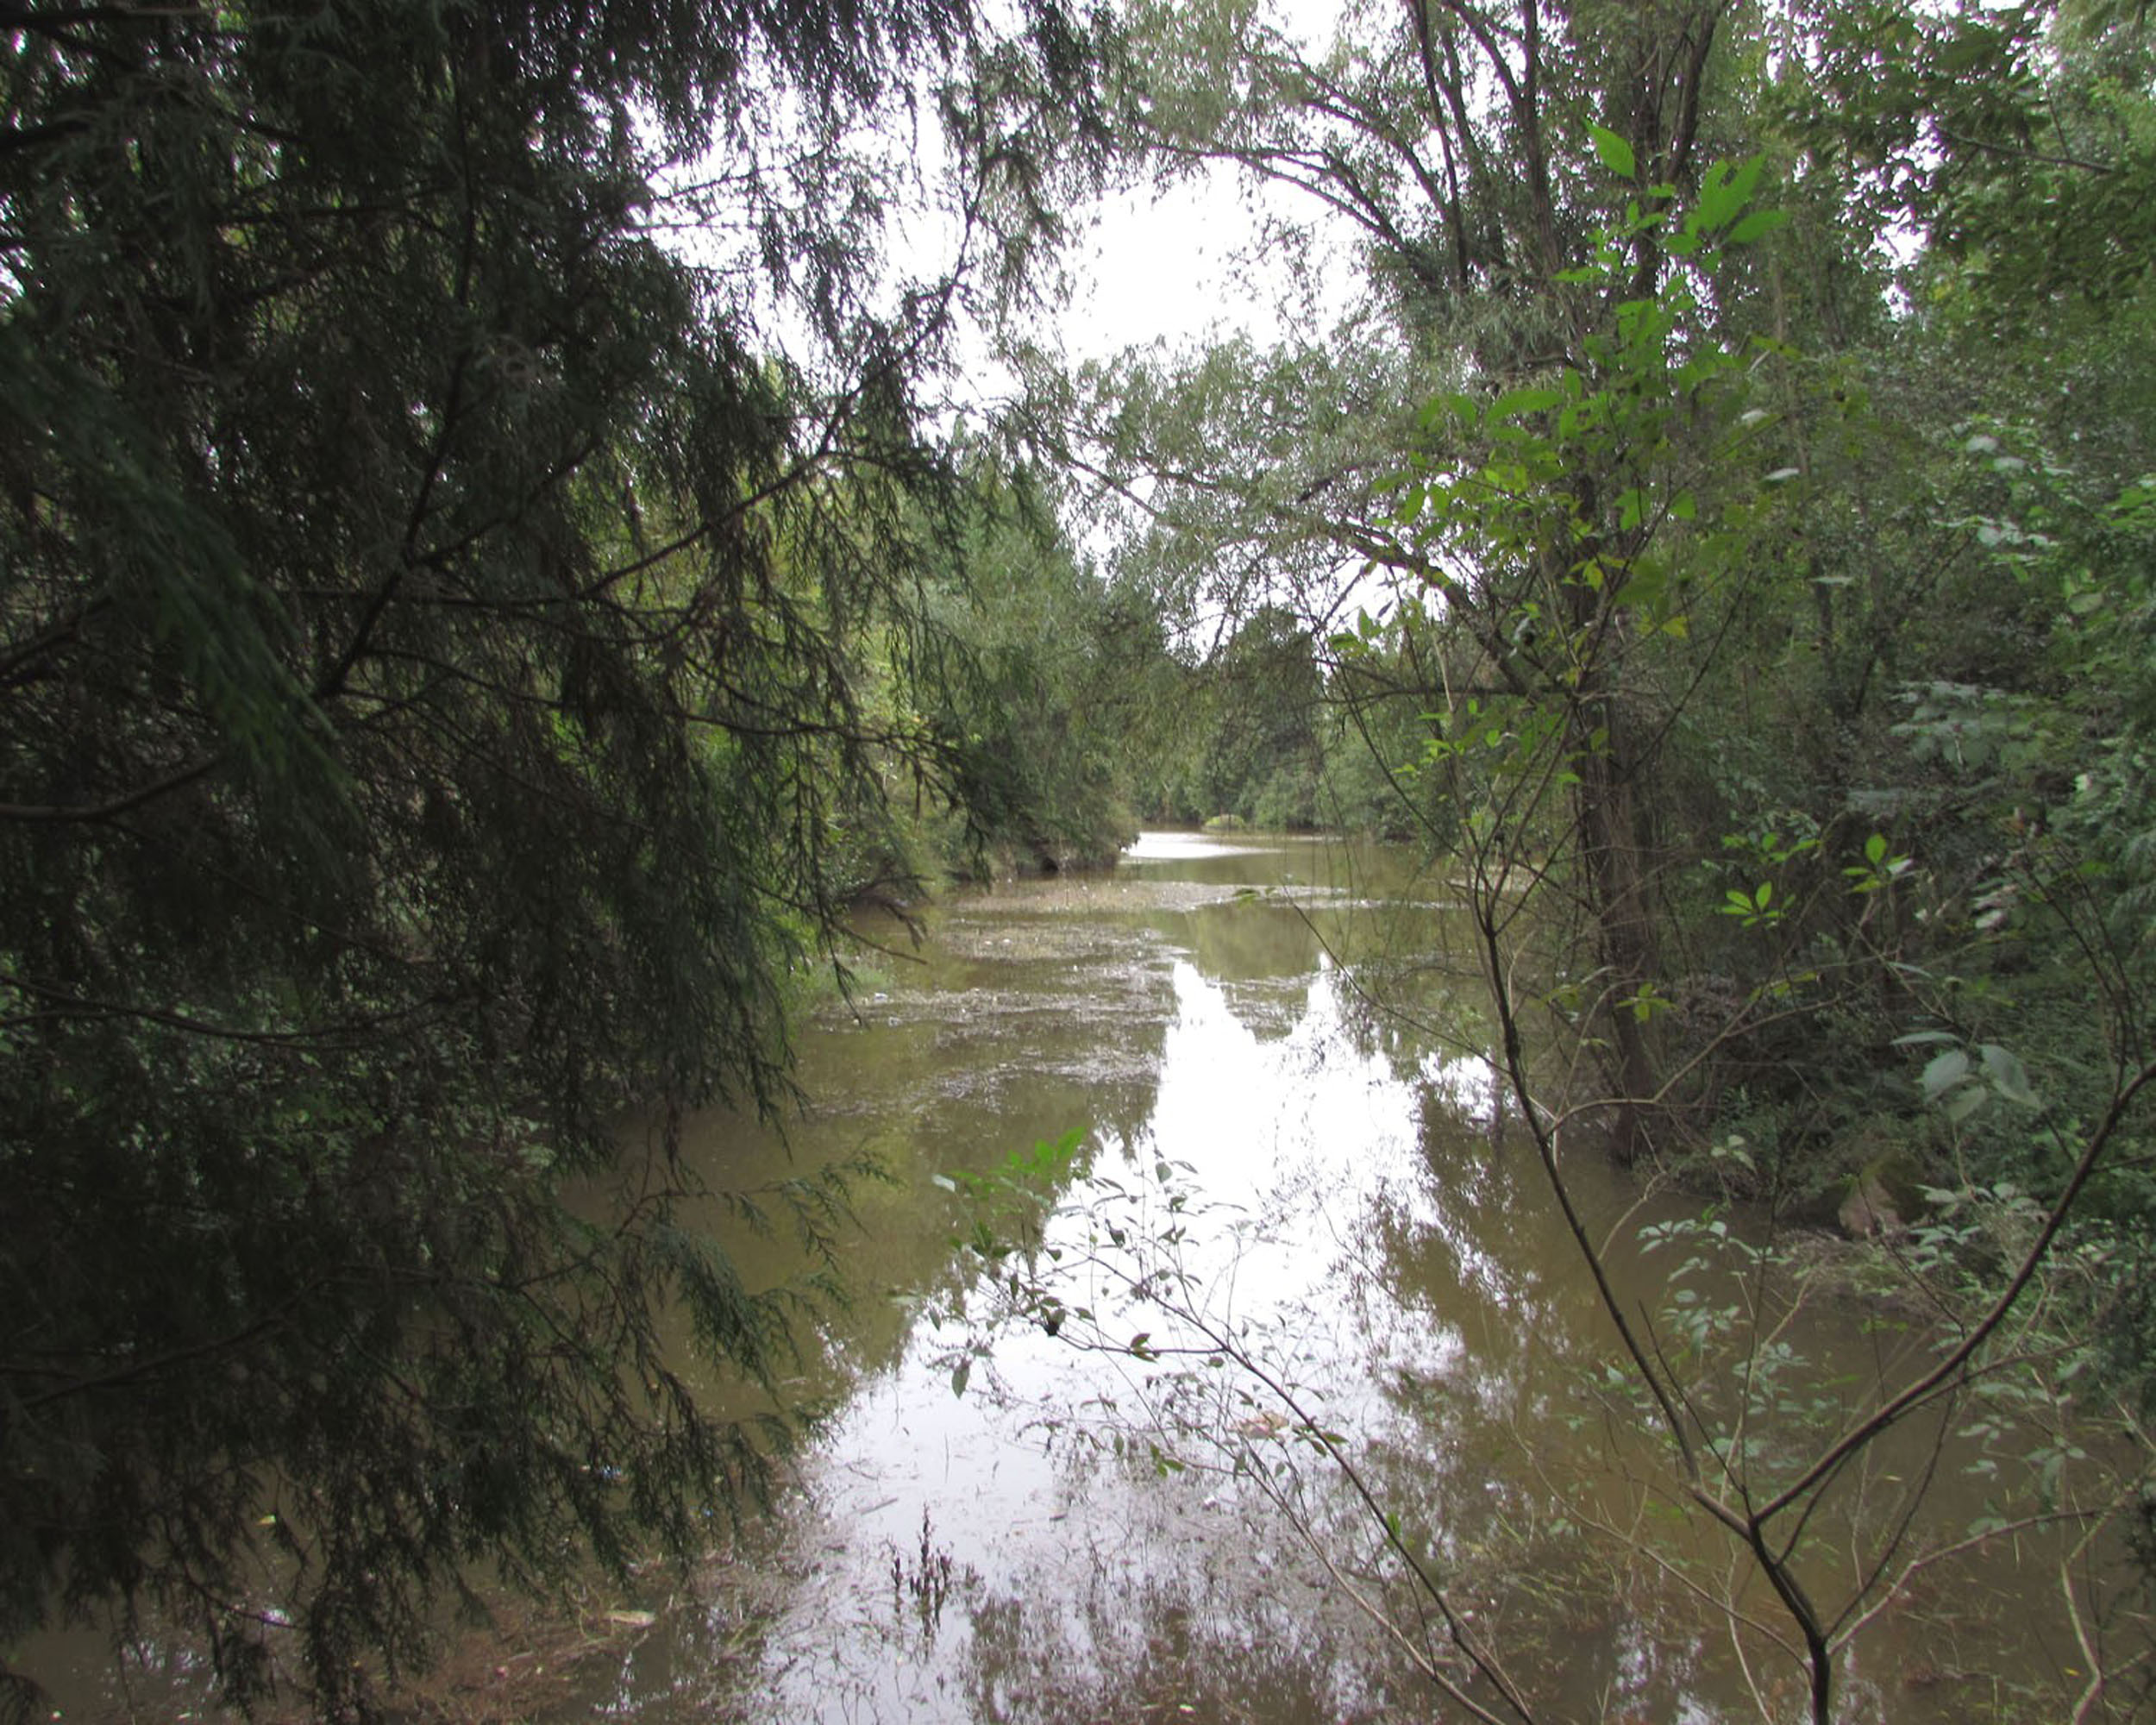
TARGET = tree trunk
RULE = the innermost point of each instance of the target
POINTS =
(1607, 812)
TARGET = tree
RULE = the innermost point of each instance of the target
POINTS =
(1781, 674)
(1045, 686)
(428, 610)
(1446, 138)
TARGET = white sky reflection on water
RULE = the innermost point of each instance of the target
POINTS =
(1089, 1534)
(1287, 1137)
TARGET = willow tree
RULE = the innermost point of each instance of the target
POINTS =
(429, 600)
(1654, 536)
(1448, 143)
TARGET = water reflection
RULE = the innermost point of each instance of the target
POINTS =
(1083, 1528)
(1118, 1520)
(1011, 1551)
(1271, 1169)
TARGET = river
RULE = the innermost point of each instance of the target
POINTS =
(1069, 1468)
(1289, 1213)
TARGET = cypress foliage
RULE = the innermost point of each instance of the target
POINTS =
(425, 626)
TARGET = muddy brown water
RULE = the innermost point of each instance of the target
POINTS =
(1355, 1236)
(1289, 1210)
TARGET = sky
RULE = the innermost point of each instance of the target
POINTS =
(1163, 268)
(1143, 266)
(1158, 269)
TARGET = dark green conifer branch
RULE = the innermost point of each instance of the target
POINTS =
(434, 661)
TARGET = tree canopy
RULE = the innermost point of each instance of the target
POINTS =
(446, 616)
(1751, 509)
(483, 587)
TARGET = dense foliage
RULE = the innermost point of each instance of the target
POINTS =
(459, 653)
(1743, 443)
(478, 602)
(1740, 460)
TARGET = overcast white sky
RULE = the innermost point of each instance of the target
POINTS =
(1158, 270)
(1167, 269)
(1143, 267)
(1164, 268)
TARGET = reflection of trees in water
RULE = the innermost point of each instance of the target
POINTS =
(1475, 1250)
(1479, 1339)
(1444, 1332)
(1237, 942)
(922, 1081)
(1165, 1645)
(1491, 1427)
(1431, 1310)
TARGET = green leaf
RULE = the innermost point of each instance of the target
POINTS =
(1756, 226)
(1616, 154)
(1943, 1071)
(1532, 398)
(959, 1374)
(2008, 1076)
(1724, 192)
